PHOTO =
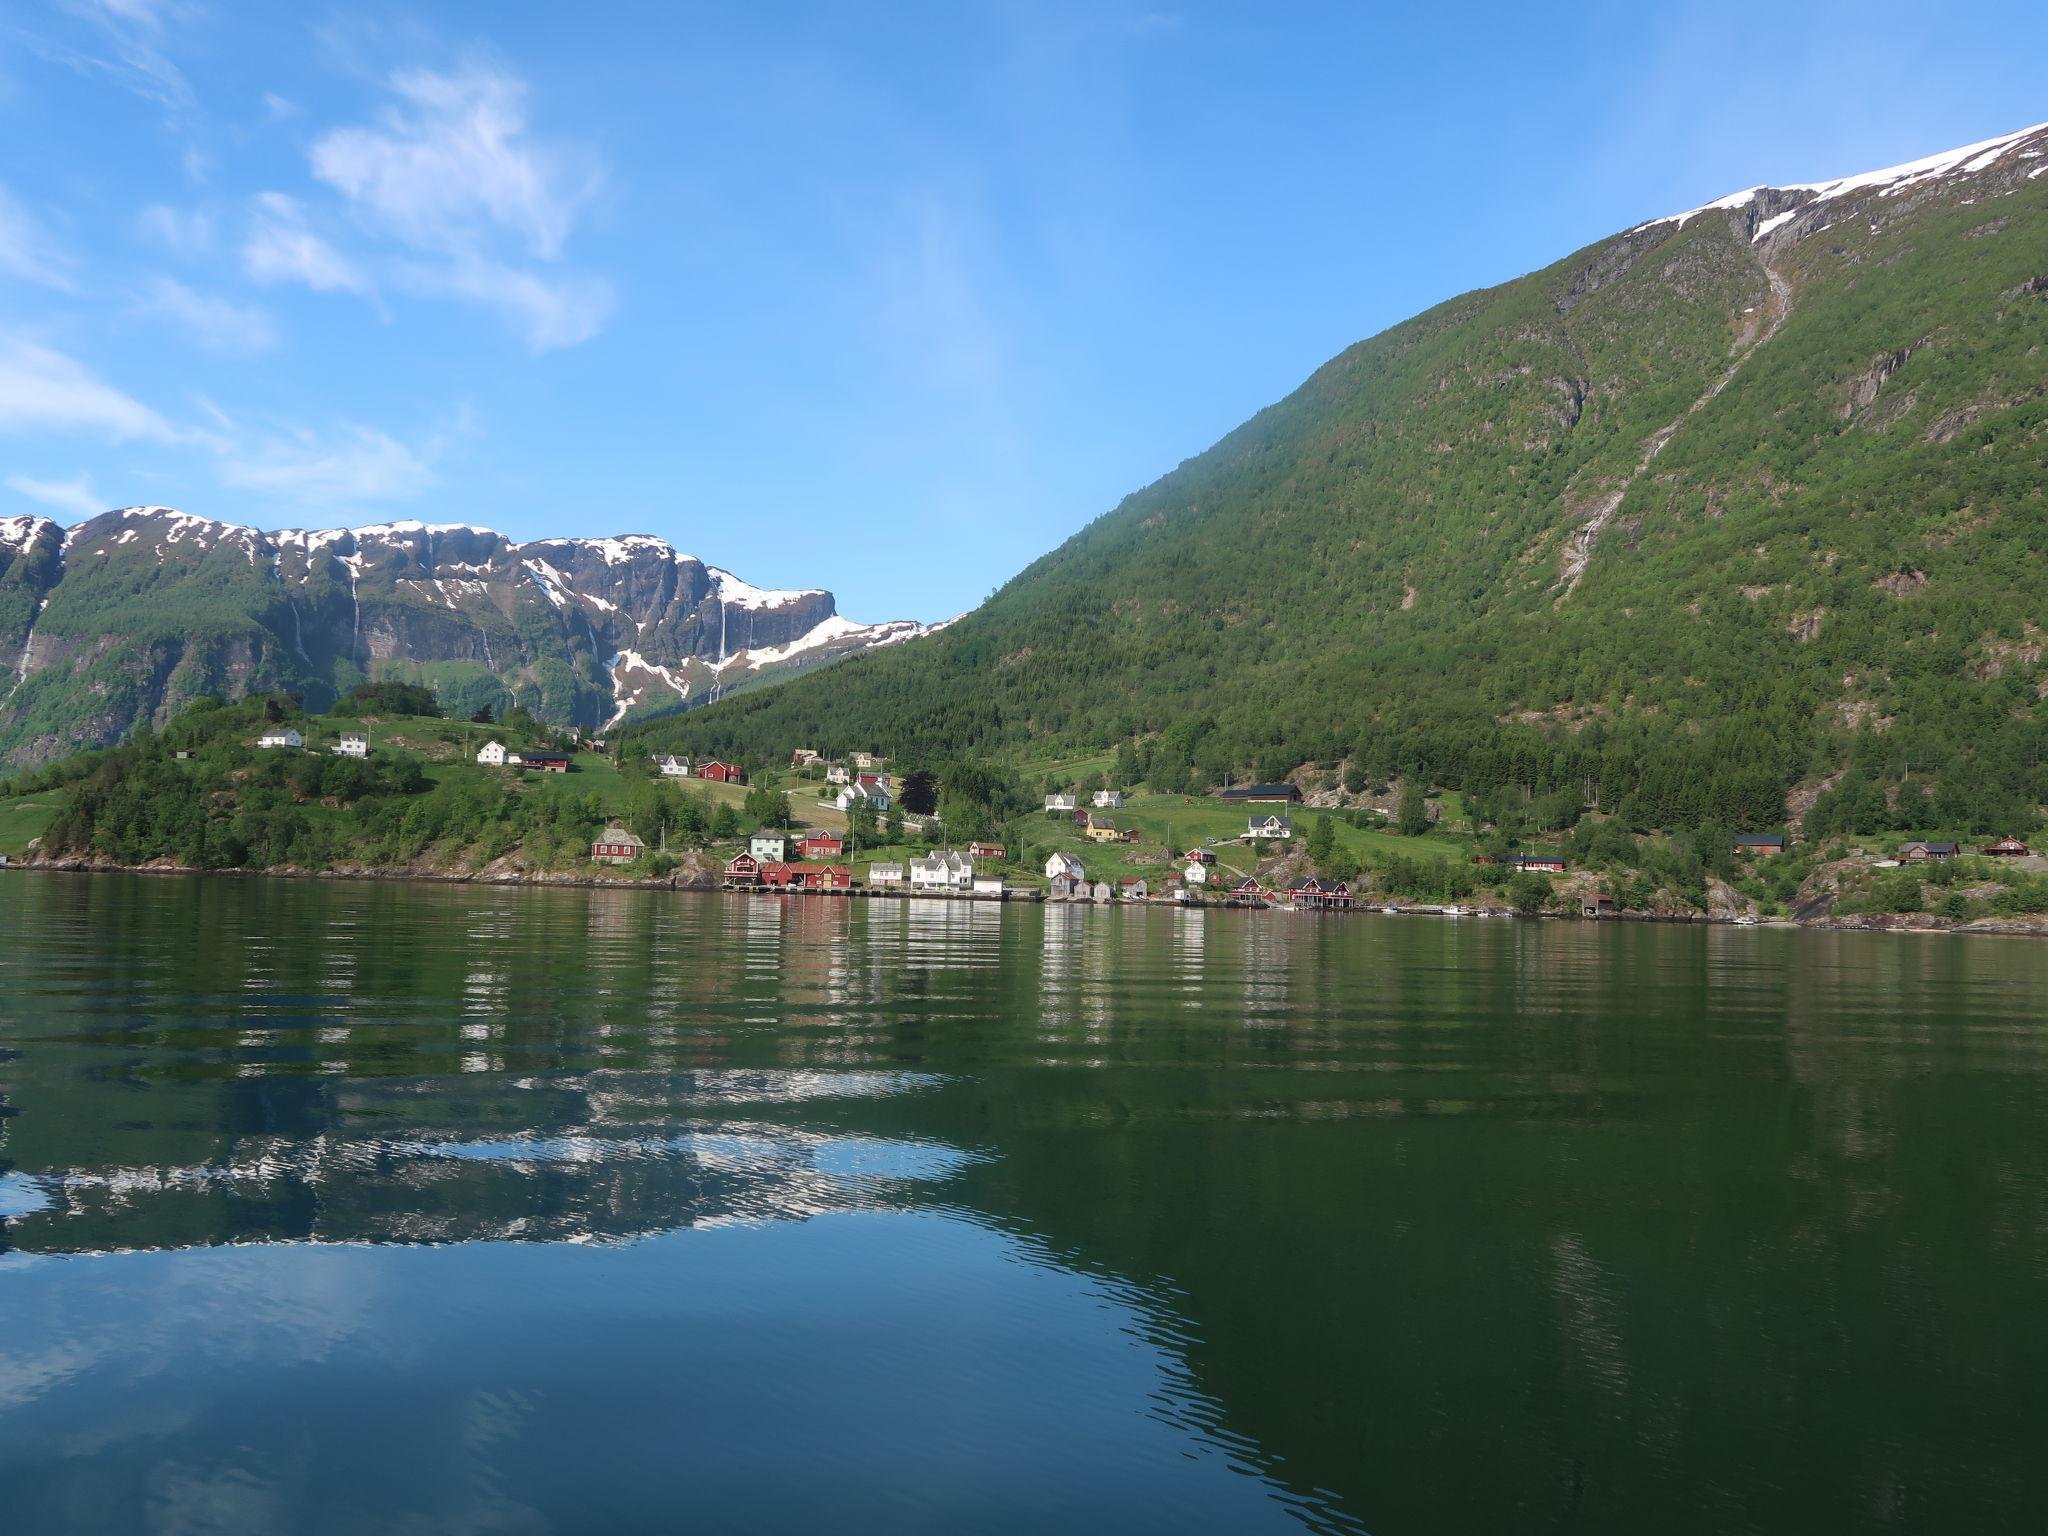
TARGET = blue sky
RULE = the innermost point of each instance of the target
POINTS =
(887, 298)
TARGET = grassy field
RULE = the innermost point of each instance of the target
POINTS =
(1178, 822)
(23, 819)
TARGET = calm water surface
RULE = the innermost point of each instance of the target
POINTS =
(377, 1208)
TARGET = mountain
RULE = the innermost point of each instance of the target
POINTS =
(1743, 503)
(124, 617)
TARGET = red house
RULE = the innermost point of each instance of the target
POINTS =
(722, 773)
(779, 876)
(743, 870)
(2006, 848)
(831, 877)
(544, 762)
(1321, 895)
(1247, 887)
(984, 850)
(1201, 856)
(822, 845)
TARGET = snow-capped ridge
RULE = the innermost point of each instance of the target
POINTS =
(743, 594)
(20, 532)
(1968, 160)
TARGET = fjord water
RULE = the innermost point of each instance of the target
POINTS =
(342, 1208)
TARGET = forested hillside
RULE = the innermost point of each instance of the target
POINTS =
(1739, 504)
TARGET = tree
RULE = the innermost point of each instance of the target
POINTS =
(767, 806)
(1528, 893)
(1411, 817)
(920, 795)
(1322, 838)
(482, 716)
(860, 825)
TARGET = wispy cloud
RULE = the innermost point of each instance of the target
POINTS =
(459, 199)
(27, 249)
(354, 464)
(217, 324)
(282, 248)
(130, 37)
(45, 391)
(452, 161)
(184, 232)
(75, 495)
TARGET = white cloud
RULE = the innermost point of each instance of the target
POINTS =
(75, 495)
(282, 249)
(356, 464)
(183, 232)
(217, 324)
(551, 313)
(45, 391)
(279, 107)
(454, 161)
(26, 249)
(470, 204)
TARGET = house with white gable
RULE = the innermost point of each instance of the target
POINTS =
(1270, 826)
(1109, 799)
(280, 736)
(1197, 873)
(876, 795)
(672, 767)
(492, 755)
(885, 874)
(944, 869)
(1060, 801)
(769, 847)
(1064, 864)
(838, 773)
(352, 745)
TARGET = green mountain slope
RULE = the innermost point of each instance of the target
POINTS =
(1712, 508)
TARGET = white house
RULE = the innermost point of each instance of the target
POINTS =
(1101, 891)
(492, 755)
(942, 870)
(1197, 873)
(1063, 864)
(838, 773)
(1109, 799)
(353, 745)
(768, 847)
(1059, 802)
(282, 736)
(1271, 826)
(673, 767)
(885, 874)
(875, 795)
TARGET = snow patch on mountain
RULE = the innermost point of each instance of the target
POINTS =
(1969, 160)
(20, 532)
(743, 594)
(624, 668)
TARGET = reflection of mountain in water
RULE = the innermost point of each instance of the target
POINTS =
(652, 1152)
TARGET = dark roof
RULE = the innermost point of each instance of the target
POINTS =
(1263, 792)
(1760, 839)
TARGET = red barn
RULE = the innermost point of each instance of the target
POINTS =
(822, 845)
(722, 773)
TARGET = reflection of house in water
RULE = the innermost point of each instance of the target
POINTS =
(1189, 951)
(1264, 957)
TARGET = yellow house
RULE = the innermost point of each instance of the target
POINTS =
(1103, 832)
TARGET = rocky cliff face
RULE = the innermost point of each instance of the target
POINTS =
(125, 617)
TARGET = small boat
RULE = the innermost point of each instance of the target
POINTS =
(1391, 911)
(1454, 911)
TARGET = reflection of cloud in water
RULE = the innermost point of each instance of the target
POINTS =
(20, 1195)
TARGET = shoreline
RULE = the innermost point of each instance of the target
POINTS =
(703, 884)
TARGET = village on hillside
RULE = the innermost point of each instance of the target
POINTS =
(386, 784)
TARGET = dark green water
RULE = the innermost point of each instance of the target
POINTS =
(379, 1208)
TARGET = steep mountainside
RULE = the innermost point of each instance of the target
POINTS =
(1724, 502)
(128, 615)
